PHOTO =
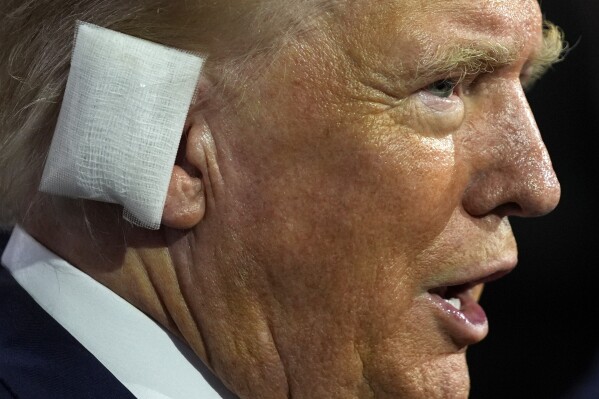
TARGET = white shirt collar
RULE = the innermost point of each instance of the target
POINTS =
(147, 359)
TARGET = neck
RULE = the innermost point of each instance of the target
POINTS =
(132, 262)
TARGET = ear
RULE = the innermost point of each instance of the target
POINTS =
(185, 204)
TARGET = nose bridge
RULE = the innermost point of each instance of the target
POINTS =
(517, 174)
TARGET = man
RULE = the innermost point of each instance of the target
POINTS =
(341, 193)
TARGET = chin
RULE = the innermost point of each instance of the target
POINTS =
(441, 377)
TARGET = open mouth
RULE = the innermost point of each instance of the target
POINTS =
(461, 302)
(456, 295)
(463, 317)
(452, 295)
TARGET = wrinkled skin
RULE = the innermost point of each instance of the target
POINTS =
(349, 191)
(338, 190)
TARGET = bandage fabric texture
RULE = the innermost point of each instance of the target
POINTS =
(121, 121)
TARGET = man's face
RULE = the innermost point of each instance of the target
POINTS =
(360, 185)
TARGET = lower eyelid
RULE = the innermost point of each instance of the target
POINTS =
(439, 104)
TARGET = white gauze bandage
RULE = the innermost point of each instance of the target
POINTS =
(121, 121)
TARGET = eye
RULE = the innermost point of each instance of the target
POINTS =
(442, 88)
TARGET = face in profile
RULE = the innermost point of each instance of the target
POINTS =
(369, 174)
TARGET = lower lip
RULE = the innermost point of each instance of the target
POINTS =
(466, 326)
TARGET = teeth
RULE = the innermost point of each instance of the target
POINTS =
(455, 302)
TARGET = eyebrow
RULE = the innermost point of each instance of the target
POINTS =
(553, 50)
(485, 57)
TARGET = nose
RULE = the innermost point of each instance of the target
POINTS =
(511, 173)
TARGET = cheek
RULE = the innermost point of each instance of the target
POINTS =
(398, 191)
(335, 214)
(419, 190)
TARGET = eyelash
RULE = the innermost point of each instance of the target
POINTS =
(463, 83)
(451, 85)
(459, 84)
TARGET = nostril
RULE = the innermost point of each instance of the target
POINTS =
(509, 209)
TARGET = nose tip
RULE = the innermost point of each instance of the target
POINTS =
(541, 190)
(515, 176)
(528, 190)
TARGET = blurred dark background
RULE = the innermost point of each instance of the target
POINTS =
(544, 330)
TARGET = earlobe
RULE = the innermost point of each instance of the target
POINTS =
(185, 204)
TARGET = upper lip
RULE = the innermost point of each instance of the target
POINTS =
(473, 276)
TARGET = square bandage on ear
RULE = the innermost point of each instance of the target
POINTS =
(121, 122)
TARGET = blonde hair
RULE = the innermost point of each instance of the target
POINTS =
(484, 57)
(36, 39)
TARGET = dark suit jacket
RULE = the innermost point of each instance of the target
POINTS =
(39, 359)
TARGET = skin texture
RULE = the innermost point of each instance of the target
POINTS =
(314, 206)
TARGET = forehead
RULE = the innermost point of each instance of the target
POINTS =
(492, 16)
(403, 28)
